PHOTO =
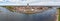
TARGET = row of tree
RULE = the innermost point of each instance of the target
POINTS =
(11, 8)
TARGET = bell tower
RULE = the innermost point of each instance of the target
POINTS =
(27, 4)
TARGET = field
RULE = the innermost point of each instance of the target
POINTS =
(59, 14)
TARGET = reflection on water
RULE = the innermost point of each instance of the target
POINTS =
(2, 9)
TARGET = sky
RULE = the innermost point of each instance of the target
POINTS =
(31, 2)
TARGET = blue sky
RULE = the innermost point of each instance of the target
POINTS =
(31, 2)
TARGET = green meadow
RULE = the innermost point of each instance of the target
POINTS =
(59, 14)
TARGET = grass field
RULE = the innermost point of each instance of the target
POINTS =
(59, 14)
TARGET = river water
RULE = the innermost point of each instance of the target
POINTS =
(6, 15)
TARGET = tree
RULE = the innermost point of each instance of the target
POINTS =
(11, 8)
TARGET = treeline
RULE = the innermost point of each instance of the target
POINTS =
(11, 8)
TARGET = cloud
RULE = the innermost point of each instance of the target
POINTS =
(31, 2)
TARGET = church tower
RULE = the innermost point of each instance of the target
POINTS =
(27, 4)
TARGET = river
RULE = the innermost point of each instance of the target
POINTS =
(6, 15)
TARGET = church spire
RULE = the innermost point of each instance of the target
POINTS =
(27, 4)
